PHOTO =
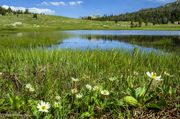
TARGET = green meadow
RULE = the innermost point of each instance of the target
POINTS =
(45, 22)
(120, 73)
(37, 82)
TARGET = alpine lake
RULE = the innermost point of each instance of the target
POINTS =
(128, 40)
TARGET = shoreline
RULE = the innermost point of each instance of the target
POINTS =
(123, 29)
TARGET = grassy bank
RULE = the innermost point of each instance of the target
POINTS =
(45, 22)
(118, 85)
(17, 40)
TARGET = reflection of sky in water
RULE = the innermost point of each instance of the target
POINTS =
(84, 44)
(126, 32)
(77, 42)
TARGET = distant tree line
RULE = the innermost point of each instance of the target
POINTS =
(161, 15)
(4, 11)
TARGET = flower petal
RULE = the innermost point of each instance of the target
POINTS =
(148, 73)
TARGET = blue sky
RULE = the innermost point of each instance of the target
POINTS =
(77, 8)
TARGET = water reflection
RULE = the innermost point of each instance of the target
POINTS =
(166, 43)
(91, 44)
(158, 41)
(125, 32)
(91, 40)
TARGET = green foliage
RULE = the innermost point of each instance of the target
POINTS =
(131, 101)
(16, 102)
(117, 80)
(35, 16)
(50, 74)
(159, 15)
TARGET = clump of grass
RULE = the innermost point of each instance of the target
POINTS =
(105, 83)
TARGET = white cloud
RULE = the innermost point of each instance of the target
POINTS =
(39, 11)
(58, 3)
(33, 10)
(61, 3)
(44, 3)
(75, 3)
(162, 1)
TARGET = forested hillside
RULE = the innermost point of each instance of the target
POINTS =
(161, 15)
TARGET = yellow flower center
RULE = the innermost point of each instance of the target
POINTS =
(43, 107)
(154, 75)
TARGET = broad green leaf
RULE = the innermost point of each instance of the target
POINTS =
(140, 92)
(131, 101)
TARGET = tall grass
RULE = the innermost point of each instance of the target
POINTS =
(30, 39)
(50, 73)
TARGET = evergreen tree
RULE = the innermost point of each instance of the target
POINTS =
(26, 11)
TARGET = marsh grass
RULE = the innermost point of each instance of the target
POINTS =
(50, 73)
(30, 39)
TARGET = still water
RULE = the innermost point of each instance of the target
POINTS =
(157, 41)
(121, 39)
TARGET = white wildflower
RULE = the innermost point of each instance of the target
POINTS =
(74, 91)
(30, 87)
(43, 106)
(74, 79)
(105, 92)
(79, 96)
(89, 87)
(153, 75)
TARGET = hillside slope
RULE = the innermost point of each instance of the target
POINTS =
(160, 15)
(46, 22)
(25, 22)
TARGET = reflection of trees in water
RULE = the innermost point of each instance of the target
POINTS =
(176, 41)
(168, 43)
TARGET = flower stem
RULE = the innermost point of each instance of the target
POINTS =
(148, 87)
